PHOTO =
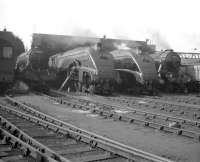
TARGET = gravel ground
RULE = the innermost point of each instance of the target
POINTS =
(167, 145)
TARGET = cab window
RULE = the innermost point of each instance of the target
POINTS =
(7, 52)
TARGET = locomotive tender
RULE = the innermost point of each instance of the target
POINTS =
(10, 47)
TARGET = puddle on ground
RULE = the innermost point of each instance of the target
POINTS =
(88, 112)
(81, 111)
(121, 111)
(56, 103)
(92, 115)
(142, 102)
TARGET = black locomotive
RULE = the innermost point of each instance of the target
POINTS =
(172, 76)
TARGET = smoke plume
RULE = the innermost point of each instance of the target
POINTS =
(158, 39)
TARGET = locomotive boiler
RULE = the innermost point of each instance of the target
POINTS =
(10, 47)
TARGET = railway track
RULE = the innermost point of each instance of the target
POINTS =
(190, 111)
(13, 149)
(17, 146)
(188, 99)
(70, 142)
(180, 126)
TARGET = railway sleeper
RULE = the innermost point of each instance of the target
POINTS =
(88, 156)
(73, 148)
(56, 142)
(36, 134)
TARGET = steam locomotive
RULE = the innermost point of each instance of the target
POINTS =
(31, 69)
(136, 71)
(171, 75)
(10, 47)
(84, 69)
(53, 57)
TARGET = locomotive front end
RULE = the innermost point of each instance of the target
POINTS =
(172, 76)
(86, 69)
(135, 72)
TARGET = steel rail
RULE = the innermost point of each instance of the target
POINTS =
(88, 137)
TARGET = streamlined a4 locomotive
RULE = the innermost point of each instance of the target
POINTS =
(136, 71)
(84, 69)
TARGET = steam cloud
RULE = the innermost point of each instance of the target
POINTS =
(122, 46)
(83, 32)
(159, 39)
(120, 34)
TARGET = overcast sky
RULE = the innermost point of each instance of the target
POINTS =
(168, 23)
